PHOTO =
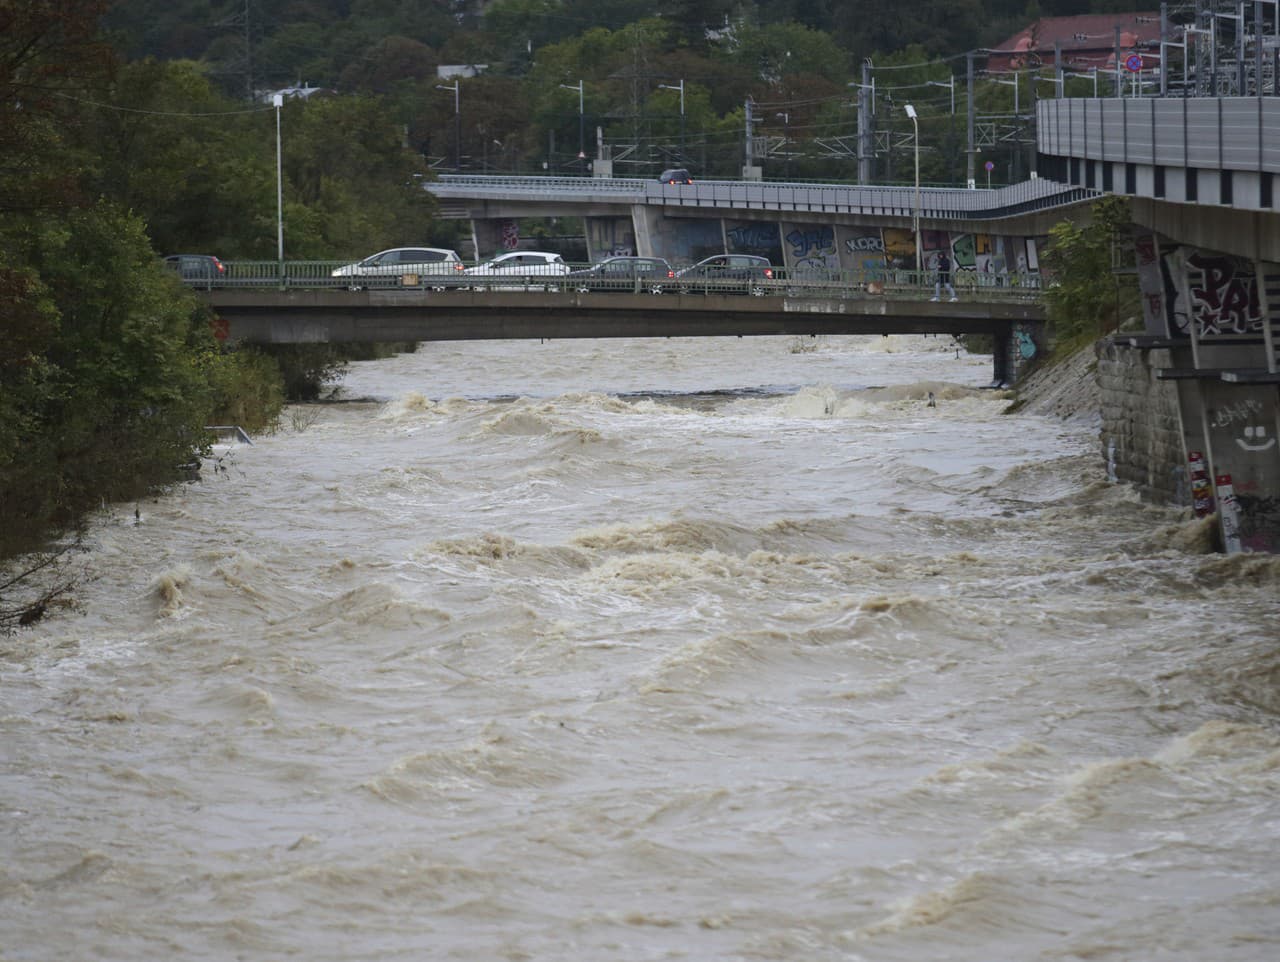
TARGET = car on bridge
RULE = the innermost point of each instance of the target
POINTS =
(196, 268)
(677, 175)
(727, 274)
(624, 273)
(390, 268)
(516, 270)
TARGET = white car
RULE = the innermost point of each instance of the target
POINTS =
(518, 266)
(392, 267)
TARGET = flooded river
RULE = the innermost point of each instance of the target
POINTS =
(635, 650)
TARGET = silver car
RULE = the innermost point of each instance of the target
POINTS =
(401, 265)
(516, 270)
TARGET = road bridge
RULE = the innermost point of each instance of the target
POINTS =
(324, 315)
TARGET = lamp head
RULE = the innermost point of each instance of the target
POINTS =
(911, 111)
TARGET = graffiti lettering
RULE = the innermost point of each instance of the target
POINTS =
(1224, 295)
(1145, 248)
(754, 237)
(1259, 524)
(811, 238)
(1244, 410)
(867, 242)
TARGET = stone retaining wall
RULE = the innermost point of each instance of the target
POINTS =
(1141, 437)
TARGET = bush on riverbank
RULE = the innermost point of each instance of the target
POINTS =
(109, 371)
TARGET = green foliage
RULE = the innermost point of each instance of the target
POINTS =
(783, 49)
(521, 26)
(352, 183)
(307, 368)
(1086, 297)
(245, 386)
(109, 400)
(790, 56)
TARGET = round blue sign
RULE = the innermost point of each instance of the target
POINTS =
(1133, 63)
(990, 165)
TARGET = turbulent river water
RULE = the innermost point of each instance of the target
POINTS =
(657, 649)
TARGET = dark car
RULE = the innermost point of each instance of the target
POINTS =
(676, 176)
(196, 268)
(727, 274)
(652, 274)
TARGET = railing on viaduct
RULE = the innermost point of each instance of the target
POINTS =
(936, 204)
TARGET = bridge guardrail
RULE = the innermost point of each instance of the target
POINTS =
(794, 282)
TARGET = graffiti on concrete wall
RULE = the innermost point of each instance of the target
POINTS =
(691, 240)
(751, 237)
(965, 251)
(862, 249)
(933, 243)
(1216, 292)
(868, 250)
(1259, 523)
(899, 248)
(1146, 251)
(811, 247)
(1241, 426)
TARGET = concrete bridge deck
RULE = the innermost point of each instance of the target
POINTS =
(391, 315)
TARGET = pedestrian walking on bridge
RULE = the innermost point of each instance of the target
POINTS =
(942, 280)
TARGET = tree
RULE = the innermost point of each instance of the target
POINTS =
(353, 183)
(778, 50)
(49, 56)
(1086, 296)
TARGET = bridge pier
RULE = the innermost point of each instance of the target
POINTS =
(1002, 373)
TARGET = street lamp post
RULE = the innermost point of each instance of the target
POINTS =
(785, 117)
(278, 101)
(582, 147)
(679, 87)
(457, 123)
(915, 219)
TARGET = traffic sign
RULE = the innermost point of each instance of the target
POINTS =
(1133, 63)
(990, 166)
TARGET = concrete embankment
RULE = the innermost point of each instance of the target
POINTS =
(1136, 415)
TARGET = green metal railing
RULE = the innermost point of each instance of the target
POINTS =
(796, 282)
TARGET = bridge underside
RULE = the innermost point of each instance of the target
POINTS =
(302, 317)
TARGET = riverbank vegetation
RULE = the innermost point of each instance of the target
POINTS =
(1094, 289)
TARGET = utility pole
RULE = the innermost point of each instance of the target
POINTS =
(582, 149)
(866, 100)
(680, 88)
(970, 182)
(749, 170)
(457, 123)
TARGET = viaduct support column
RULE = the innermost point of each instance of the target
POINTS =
(1002, 358)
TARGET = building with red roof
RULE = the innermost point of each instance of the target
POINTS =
(1085, 42)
